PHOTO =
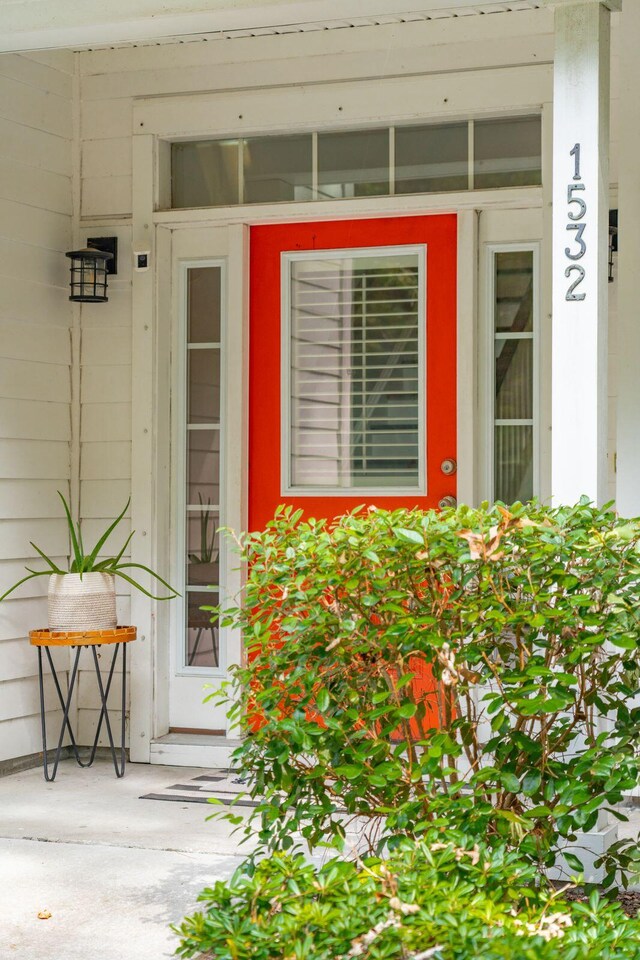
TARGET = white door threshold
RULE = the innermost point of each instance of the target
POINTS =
(193, 750)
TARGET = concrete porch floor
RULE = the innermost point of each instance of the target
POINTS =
(113, 870)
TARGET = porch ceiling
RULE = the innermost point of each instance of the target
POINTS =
(78, 24)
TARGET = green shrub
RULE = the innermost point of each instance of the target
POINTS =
(452, 900)
(528, 622)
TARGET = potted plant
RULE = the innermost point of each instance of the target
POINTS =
(84, 597)
(203, 566)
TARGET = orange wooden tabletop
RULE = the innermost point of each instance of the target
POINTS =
(81, 638)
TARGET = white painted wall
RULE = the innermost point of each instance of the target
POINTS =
(35, 355)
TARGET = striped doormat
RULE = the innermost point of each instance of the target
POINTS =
(222, 785)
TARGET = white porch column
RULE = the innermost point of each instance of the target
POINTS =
(628, 414)
(580, 250)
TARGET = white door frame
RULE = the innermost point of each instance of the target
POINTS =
(150, 351)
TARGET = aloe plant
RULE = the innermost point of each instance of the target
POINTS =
(83, 562)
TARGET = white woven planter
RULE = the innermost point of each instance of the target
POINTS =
(87, 603)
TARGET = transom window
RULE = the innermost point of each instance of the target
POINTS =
(354, 343)
(425, 158)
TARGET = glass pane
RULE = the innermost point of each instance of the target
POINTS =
(514, 379)
(204, 386)
(513, 463)
(514, 291)
(204, 173)
(203, 642)
(432, 158)
(353, 164)
(204, 304)
(507, 152)
(355, 395)
(277, 168)
(203, 467)
(203, 548)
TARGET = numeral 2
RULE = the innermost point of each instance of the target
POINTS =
(571, 294)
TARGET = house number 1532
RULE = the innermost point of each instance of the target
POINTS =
(576, 212)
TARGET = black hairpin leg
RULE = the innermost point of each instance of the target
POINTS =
(104, 713)
(66, 705)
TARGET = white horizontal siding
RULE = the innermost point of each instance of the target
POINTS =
(42, 228)
(34, 342)
(102, 460)
(34, 420)
(22, 735)
(13, 570)
(34, 148)
(35, 382)
(21, 698)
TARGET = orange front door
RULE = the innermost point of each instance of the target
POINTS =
(352, 365)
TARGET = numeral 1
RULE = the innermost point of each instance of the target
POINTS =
(575, 153)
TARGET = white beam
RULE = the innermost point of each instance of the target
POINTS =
(45, 24)
(580, 252)
(628, 352)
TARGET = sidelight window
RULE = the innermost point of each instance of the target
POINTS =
(514, 296)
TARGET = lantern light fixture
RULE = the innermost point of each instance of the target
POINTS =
(89, 269)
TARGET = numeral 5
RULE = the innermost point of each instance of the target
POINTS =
(582, 207)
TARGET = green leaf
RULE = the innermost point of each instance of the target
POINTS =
(349, 771)
(32, 575)
(531, 782)
(574, 862)
(77, 551)
(323, 700)
(407, 710)
(105, 536)
(47, 560)
(510, 782)
(412, 536)
(141, 566)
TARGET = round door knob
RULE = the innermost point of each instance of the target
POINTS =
(448, 467)
(447, 501)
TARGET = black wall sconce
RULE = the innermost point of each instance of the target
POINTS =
(90, 268)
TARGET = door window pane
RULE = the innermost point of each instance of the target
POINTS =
(514, 284)
(204, 173)
(432, 158)
(203, 547)
(354, 164)
(203, 467)
(203, 315)
(202, 636)
(277, 168)
(356, 370)
(507, 152)
(202, 426)
(514, 389)
(514, 463)
(204, 386)
(514, 293)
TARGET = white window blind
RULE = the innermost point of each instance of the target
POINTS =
(354, 397)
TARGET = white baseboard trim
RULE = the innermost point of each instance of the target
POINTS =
(192, 750)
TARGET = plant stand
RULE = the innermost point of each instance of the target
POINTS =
(118, 638)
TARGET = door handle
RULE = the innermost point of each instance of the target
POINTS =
(447, 501)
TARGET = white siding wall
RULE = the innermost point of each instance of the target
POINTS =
(35, 385)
